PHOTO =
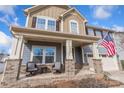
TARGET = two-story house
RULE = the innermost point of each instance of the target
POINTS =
(58, 33)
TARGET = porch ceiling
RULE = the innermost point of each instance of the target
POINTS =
(42, 35)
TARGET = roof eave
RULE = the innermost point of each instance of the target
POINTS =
(15, 30)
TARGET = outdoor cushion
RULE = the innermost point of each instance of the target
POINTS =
(57, 66)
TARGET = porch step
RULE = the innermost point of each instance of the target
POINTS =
(83, 73)
(85, 68)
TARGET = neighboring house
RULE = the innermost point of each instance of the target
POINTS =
(119, 39)
(58, 34)
(108, 63)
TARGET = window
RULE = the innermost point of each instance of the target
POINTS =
(50, 52)
(90, 32)
(45, 23)
(41, 23)
(51, 25)
(43, 54)
(98, 33)
(74, 27)
(37, 54)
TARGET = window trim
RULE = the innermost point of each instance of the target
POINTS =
(37, 22)
(44, 52)
(46, 21)
(77, 26)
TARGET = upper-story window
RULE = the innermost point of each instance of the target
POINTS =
(45, 23)
(74, 27)
(51, 25)
(98, 33)
(90, 31)
(41, 23)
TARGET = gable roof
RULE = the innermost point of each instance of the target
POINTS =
(73, 9)
(36, 7)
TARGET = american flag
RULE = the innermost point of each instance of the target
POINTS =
(109, 44)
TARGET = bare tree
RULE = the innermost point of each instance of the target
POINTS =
(1, 57)
(2, 54)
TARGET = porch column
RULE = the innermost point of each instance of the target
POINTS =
(13, 48)
(69, 62)
(69, 49)
(17, 44)
(96, 60)
(95, 51)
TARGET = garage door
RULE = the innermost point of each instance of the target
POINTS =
(110, 63)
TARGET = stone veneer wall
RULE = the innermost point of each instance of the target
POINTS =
(23, 69)
(70, 68)
(10, 73)
(98, 66)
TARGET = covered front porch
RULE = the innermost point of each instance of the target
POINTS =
(48, 47)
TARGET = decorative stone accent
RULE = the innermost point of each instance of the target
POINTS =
(97, 65)
(70, 68)
(23, 69)
(11, 71)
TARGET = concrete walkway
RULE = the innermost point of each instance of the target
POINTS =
(117, 75)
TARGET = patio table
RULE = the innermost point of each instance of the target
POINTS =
(43, 68)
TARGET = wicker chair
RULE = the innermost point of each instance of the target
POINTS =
(32, 68)
(57, 67)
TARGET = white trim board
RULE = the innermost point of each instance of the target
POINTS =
(74, 21)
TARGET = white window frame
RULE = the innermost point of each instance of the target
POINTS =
(44, 52)
(46, 21)
(71, 28)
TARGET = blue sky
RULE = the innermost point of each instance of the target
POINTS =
(104, 16)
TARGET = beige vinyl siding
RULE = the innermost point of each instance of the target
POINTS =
(76, 17)
(48, 11)
(55, 12)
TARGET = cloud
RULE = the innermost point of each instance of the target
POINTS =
(118, 28)
(5, 20)
(9, 17)
(5, 43)
(8, 9)
(15, 22)
(5, 40)
(102, 12)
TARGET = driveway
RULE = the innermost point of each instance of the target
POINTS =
(117, 75)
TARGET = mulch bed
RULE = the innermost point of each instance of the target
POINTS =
(84, 83)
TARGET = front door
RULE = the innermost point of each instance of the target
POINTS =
(43, 54)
